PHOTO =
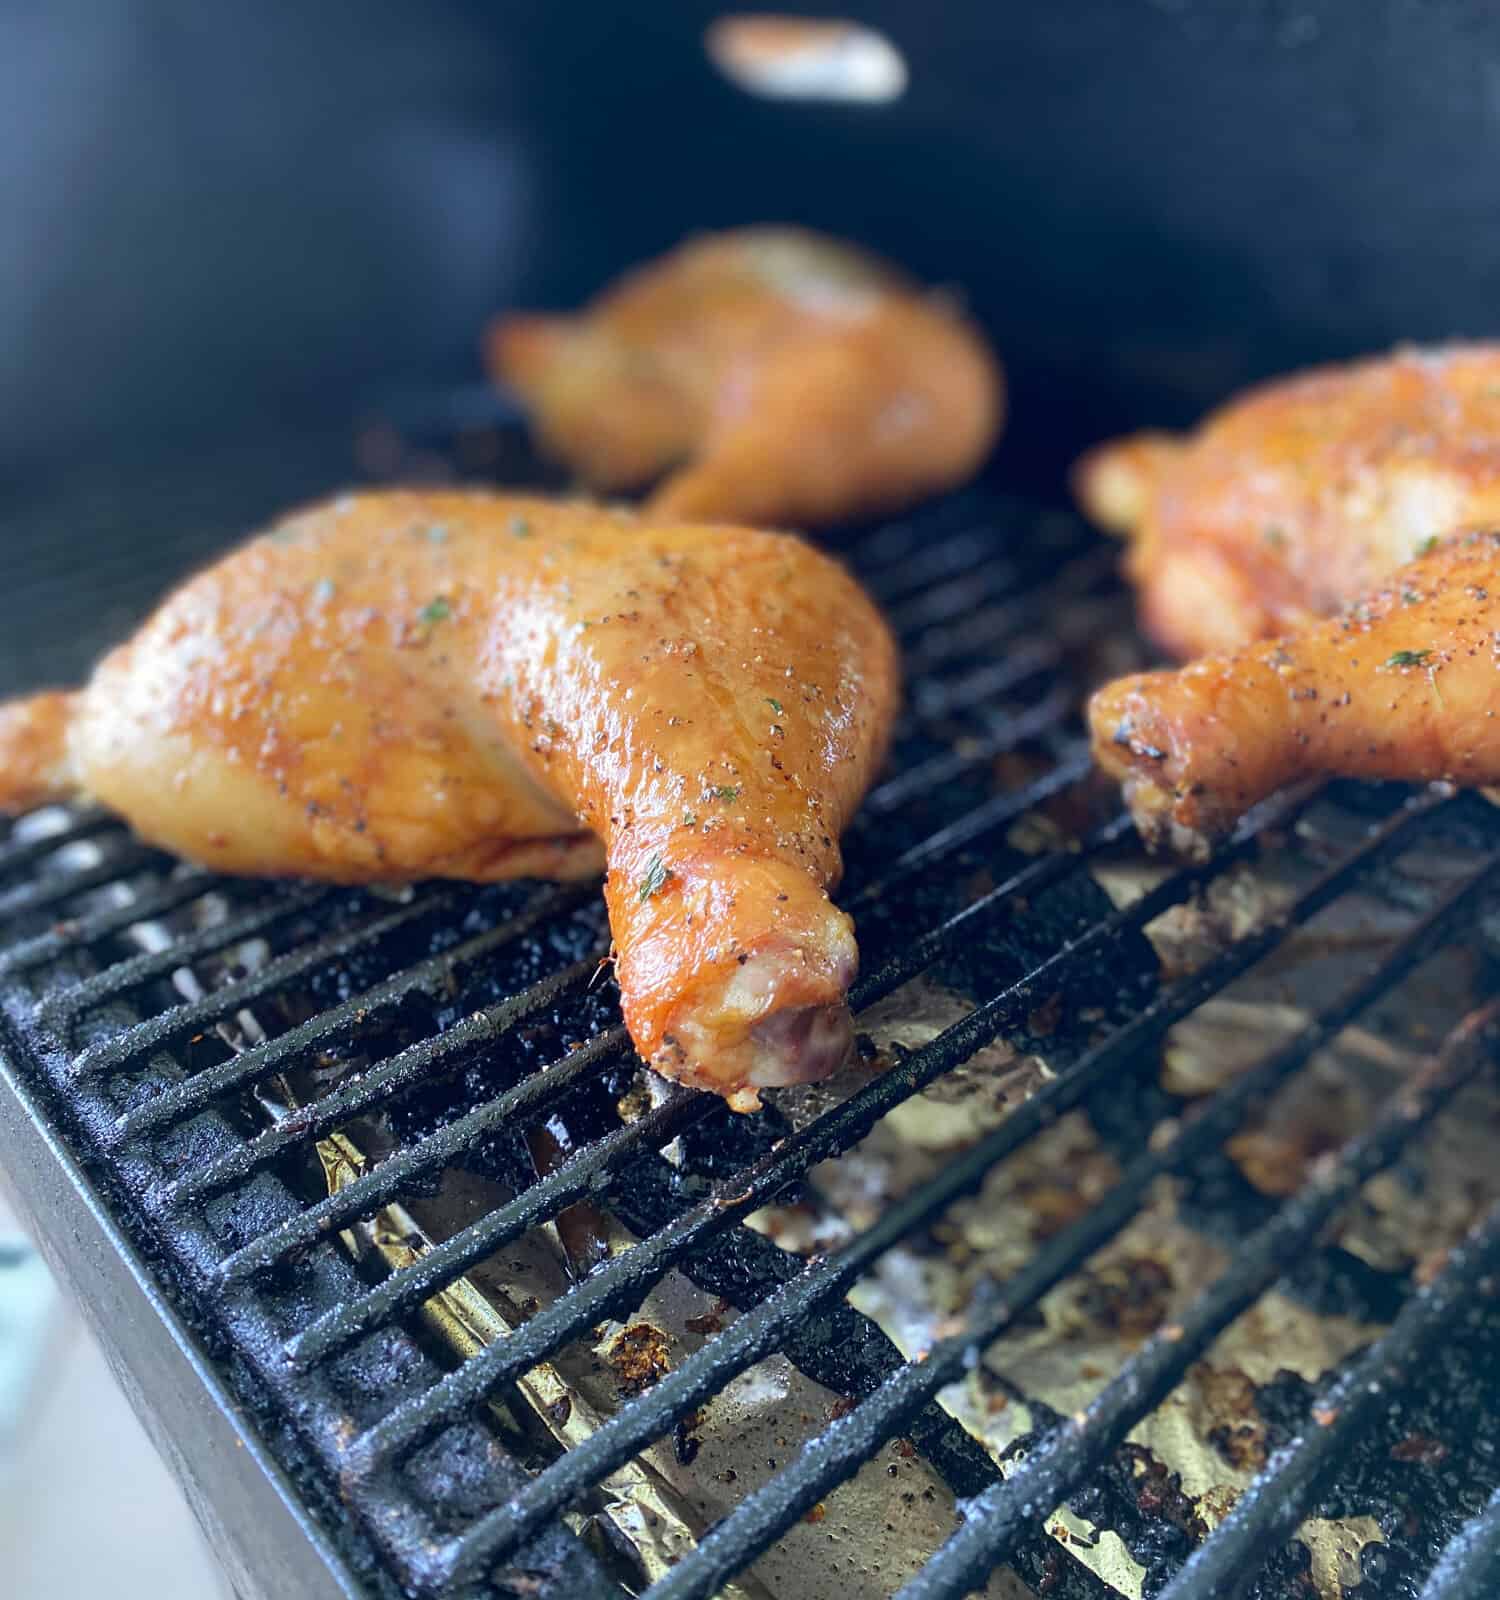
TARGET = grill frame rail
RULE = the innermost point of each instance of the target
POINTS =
(64, 1054)
(259, 1506)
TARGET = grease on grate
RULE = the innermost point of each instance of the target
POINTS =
(1184, 1466)
(1192, 1457)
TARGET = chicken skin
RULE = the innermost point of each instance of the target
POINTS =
(1302, 494)
(1404, 685)
(767, 376)
(392, 686)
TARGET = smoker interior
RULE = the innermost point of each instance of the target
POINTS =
(500, 1315)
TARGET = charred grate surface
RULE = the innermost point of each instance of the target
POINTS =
(204, 1045)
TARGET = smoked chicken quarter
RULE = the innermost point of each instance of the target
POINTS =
(767, 375)
(405, 685)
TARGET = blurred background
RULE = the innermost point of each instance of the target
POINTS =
(233, 232)
(247, 252)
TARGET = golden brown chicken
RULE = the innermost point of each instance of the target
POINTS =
(772, 375)
(403, 685)
(1403, 685)
(1301, 494)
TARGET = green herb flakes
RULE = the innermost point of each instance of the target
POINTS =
(775, 705)
(1408, 658)
(1409, 597)
(1428, 545)
(657, 873)
(435, 611)
(728, 793)
(1273, 536)
(520, 527)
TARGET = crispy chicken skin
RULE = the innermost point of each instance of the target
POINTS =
(1300, 494)
(392, 686)
(1404, 685)
(766, 376)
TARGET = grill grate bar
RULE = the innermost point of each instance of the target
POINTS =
(405, 1290)
(111, 1054)
(83, 931)
(16, 854)
(581, 1174)
(829, 1135)
(201, 1090)
(1006, 732)
(41, 894)
(758, 1332)
(930, 607)
(940, 603)
(826, 1462)
(122, 976)
(947, 558)
(1073, 765)
(939, 697)
(986, 626)
(1270, 1509)
(312, 1411)
(1037, 875)
(417, 1063)
(1469, 1569)
(890, 546)
(1064, 1457)
(942, 596)
(986, 629)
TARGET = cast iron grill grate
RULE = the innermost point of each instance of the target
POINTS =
(200, 1042)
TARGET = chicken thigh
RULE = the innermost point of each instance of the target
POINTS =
(1301, 494)
(391, 686)
(1404, 685)
(767, 376)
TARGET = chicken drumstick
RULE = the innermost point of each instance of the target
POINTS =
(1403, 685)
(399, 685)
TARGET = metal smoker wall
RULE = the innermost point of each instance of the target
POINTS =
(213, 212)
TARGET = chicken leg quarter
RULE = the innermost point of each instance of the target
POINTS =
(400, 685)
(765, 375)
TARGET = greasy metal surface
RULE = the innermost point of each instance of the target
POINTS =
(1352, 1405)
(304, 1431)
(263, 1078)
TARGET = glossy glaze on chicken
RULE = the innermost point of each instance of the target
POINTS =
(767, 375)
(393, 686)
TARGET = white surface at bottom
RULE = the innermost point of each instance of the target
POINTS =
(86, 1506)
